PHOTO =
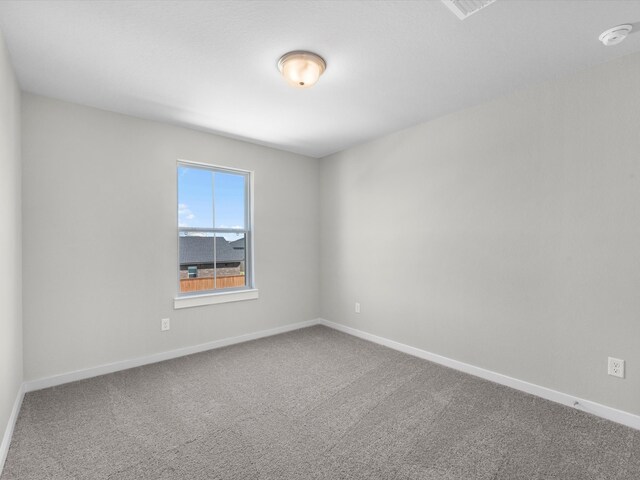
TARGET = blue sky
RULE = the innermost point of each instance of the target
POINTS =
(195, 205)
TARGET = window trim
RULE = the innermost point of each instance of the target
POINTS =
(223, 296)
(208, 297)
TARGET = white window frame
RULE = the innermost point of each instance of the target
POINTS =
(209, 297)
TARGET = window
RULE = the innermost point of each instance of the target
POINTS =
(214, 231)
(192, 271)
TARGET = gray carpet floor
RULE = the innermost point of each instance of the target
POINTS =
(310, 404)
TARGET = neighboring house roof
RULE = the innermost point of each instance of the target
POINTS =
(237, 244)
(198, 250)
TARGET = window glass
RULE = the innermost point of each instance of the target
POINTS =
(213, 229)
(229, 200)
(195, 197)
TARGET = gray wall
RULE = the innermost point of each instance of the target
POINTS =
(506, 236)
(10, 241)
(100, 241)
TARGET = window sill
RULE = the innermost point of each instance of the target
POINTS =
(214, 298)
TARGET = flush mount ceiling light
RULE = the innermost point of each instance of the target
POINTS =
(301, 69)
(615, 35)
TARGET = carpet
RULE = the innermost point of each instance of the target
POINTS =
(310, 404)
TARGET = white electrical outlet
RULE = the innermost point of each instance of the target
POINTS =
(165, 325)
(357, 307)
(616, 367)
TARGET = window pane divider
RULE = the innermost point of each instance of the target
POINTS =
(213, 230)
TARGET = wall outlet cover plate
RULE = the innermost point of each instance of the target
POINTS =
(616, 367)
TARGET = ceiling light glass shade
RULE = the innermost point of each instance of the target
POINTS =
(301, 69)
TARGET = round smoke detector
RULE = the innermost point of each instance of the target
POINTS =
(615, 35)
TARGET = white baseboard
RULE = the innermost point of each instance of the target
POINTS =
(8, 432)
(63, 378)
(615, 415)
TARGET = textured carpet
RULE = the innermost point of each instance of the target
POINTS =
(310, 404)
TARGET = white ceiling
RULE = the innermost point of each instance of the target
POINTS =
(211, 65)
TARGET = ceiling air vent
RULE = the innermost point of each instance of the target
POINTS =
(466, 8)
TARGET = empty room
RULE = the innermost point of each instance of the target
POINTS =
(324, 240)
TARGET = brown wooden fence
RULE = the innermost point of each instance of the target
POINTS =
(197, 284)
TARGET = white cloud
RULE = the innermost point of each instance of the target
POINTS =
(184, 213)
